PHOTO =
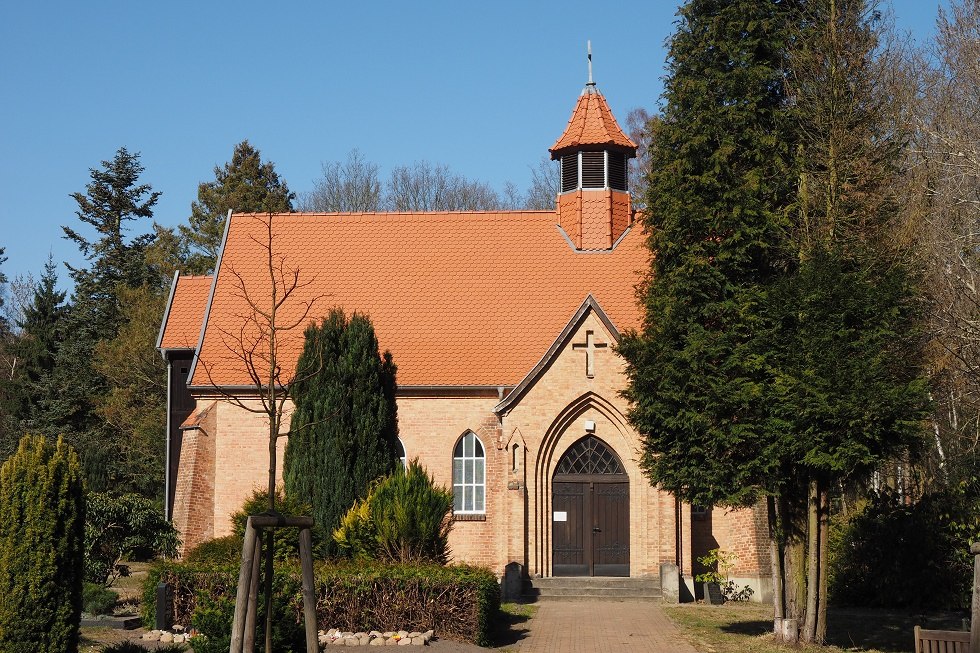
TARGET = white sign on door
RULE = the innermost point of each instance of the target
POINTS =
(561, 516)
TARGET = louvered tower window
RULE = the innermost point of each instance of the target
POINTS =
(617, 171)
(593, 169)
(569, 172)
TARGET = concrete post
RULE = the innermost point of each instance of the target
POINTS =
(670, 582)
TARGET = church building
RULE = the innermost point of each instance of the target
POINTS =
(503, 325)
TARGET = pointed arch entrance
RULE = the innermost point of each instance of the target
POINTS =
(590, 512)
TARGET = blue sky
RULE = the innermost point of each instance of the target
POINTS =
(484, 87)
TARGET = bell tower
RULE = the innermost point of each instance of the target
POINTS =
(593, 198)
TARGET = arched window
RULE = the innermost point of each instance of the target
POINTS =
(469, 475)
(400, 452)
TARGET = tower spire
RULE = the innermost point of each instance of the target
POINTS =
(589, 48)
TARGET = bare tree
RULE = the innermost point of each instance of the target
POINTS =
(273, 307)
(424, 186)
(943, 214)
(543, 192)
(350, 186)
(640, 125)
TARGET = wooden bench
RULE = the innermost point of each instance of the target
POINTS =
(942, 641)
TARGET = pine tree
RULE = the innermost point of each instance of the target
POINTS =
(37, 347)
(344, 427)
(246, 184)
(42, 533)
(112, 199)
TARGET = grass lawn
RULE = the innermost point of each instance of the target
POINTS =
(746, 628)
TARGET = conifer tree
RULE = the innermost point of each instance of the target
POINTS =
(847, 372)
(42, 533)
(719, 192)
(717, 195)
(344, 427)
(245, 184)
(40, 338)
(112, 199)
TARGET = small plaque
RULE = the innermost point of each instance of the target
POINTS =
(561, 516)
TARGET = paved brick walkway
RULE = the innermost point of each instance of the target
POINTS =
(603, 627)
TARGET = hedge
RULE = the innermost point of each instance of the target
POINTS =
(458, 602)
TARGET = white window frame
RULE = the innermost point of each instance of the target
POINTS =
(469, 481)
(404, 457)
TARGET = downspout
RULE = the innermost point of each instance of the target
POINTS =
(166, 464)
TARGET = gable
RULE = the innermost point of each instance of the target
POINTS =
(588, 336)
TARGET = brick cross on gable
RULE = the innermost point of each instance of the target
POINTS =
(591, 348)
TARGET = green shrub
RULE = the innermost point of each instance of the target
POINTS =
(895, 554)
(204, 597)
(97, 599)
(121, 525)
(405, 518)
(286, 539)
(457, 601)
(219, 552)
(134, 647)
(42, 530)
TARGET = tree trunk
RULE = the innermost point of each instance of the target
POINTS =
(775, 557)
(813, 563)
(821, 634)
(793, 569)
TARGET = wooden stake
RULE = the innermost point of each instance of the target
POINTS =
(309, 599)
(251, 616)
(244, 582)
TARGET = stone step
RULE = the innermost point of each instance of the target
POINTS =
(590, 588)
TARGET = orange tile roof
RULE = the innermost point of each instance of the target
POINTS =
(471, 299)
(592, 123)
(183, 327)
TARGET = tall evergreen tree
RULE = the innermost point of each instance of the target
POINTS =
(720, 188)
(41, 334)
(344, 427)
(718, 192)
(112, 199)
(847, 372)
(245, 184)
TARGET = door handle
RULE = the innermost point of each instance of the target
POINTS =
(596, 529)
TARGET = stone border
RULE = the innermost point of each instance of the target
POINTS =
(337, 637)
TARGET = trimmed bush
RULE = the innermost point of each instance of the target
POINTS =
(204, 598)
(133, 647)
(405, 518)
(219, 552)
(97, 599)
(459, 602)
(42, 531)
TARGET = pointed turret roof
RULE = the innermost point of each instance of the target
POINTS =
(592, 124)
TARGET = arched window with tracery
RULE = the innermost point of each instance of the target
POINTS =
(469, 475)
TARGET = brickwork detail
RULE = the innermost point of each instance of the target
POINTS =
(594, 219)
(193, 514)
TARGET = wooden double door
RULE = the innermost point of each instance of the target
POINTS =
(590, 514)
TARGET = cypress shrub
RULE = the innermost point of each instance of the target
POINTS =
(405, 518)
(42, 533)
(344, 428)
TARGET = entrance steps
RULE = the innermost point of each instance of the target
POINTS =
(586, 588)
